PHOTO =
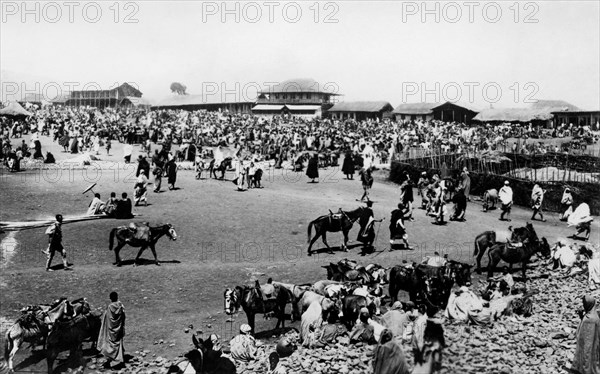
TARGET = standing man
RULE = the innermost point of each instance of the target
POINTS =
(54, 233)
(112, 331)
(537, 197)
(587, 353)
(366, 234)
(171, 170)
(367, 182)
(465, 182)
(142, 165)
(506, 198)
(158, 171)
(397, 227)
(312, 170)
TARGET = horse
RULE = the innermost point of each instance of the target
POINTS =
(513, 255)
(203, 359)
(487, 239)
(309, 297)
(251, 301)
(328, 222)
(338, 273)
(223, 166)
(125, 236)
(297, 291)
(351, 306)
(32, 327)
(71, 334)
(428, 284)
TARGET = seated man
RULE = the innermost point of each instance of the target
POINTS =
(124, 207)
(96, 206)
(111, 205)
(243, 346)
(363, 331)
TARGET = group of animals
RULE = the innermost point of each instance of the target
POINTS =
(350, 287)
(60, 326)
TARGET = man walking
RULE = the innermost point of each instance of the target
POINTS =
(112, 331)
(506, 198)
(54, 233)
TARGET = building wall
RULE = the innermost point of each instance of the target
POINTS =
(414, 117)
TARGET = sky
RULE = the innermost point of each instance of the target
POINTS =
(503, 53)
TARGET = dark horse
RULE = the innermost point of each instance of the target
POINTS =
(225, 164)
(125, 236)
(70, 335)
(487, 239)
(331, 223)
(530, 245)
(252, 302)
(203, 359)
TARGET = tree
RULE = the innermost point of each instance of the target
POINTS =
(178, 88)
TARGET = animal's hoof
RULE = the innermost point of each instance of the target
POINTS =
(309, 253)
(134, 264)
(157, 263)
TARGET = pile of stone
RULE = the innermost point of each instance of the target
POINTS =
(541, 343)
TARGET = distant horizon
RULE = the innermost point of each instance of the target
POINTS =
(484, 53)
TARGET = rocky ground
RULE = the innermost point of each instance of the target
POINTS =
(222, 245)
(541, 343)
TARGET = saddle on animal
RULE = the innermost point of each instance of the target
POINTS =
(513, 245)
(268, 291)
(140, 231)
(336, 216)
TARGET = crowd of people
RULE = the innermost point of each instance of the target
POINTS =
(365, 144)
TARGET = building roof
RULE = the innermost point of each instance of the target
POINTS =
(513, 115)
(555, 105)
(301, 85)
(461, 104)
(189, 100)
(542, 110)
(303, 107)
(137, 101)
(361, 106)
(416, 108)
(266, 107)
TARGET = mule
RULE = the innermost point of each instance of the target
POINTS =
(487, 239)
(32, 327)
(351, 306)
(426, 284)
(329, 223)
(297, 291)
(223, 166)
(203, 360)
(334, 272)
(309, 297)
(490, 199)
(125, 236)
(251, 301)
(70, 335)
(514, 255)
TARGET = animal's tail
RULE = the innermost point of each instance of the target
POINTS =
(310, 225)
(476, 248)
(7, 346)
(111, 240)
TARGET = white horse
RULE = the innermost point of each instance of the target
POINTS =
(32, 327)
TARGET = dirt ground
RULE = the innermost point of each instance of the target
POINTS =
(225, 238)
